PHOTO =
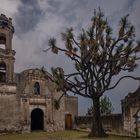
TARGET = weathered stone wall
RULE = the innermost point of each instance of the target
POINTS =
(9, 109)
(27, 79)
(21, 100)
(71, 107)
(111, 123)
(130, 118)
(53, 119)
(130, 108)
(7, 54)
(59, 115)
(17, 101)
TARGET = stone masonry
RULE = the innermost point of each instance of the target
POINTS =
(27, 98)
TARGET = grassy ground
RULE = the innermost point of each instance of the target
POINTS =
(63, 135)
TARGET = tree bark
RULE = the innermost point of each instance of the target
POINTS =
(97, 128)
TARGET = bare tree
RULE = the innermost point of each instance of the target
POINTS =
(98, 57)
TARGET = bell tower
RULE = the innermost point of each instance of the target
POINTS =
(7, 58)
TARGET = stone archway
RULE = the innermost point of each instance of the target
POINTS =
(37, 119)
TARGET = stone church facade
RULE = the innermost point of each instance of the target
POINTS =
(27, 98)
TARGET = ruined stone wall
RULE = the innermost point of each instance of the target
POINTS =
(27, 79)
(59, 114)
(130, 117)
(17, 103)
(111, 123)
(71, 107)
(130, 109)
(9, 108)
(53, 118)
(18, 94)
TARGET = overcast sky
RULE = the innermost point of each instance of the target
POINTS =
(35, 21)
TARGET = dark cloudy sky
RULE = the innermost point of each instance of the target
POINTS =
(35, 21)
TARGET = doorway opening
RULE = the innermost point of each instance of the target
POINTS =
(68, 121)
(37, 119)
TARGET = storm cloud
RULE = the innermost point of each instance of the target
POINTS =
(35, 21)
(29, 14)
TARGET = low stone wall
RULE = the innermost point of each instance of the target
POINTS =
(112, 123)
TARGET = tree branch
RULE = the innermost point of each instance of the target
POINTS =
(135, 78)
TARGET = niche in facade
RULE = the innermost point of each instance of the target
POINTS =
(36, 88)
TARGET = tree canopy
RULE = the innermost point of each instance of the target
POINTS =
(98, 58)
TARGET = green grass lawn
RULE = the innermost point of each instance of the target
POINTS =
(62, 135)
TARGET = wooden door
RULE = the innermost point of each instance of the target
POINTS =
(68, 121)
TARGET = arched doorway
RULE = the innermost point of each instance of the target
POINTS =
(37, 119)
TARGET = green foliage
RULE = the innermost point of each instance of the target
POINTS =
(105, 106)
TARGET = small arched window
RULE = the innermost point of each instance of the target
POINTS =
(36, 88)
(2, 41)
(2, 72)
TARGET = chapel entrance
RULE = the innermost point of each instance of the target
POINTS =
(37, 119)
